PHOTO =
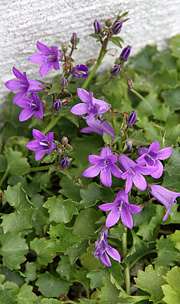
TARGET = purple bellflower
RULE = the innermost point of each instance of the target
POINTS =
(91, 105)
(120, 208)
(96, 126)
(32, 106)
(22, 85)
(164, 196)
(105, 165)
(80, 71)
(151, 157)
(132, 173)
(49, 57)
(43, 143)
(103, 249)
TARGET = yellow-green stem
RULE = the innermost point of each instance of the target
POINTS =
(51, 124)
(126, 268)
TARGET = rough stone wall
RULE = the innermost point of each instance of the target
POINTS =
(52, 22)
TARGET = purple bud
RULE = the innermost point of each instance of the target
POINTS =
(97, 27)
(132, 118)
(64, 82)
(125, 53)
(115, 70)
(129, 143)
(57, 105)
(80, 71)
(64, 162)
(117, 27)
(74, 38)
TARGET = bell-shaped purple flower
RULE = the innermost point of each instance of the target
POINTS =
(97, 26)
(90, 106)
(49, 57)
(80, 71)
(164, 196)
(125, 53)
(32, 106)
(96, 126)
(120, 208)
(151, 157)
(22, 85)
(117, 27)
(115, 70)
(132, 118)
(103, 249)
(133, 173)
(105, 165)
(43, 143)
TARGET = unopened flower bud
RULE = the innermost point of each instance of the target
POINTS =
(57, 105)
(64, 162)
(108, 22)
(66, 101)
(60, 151)
(132, 118)
(64, 48)
(64, 140)
(97, 27)
(115, 70)
(63, 82)
(125, 53)
(129, 143)
(130, 83)
(117, 27)
(74, 38)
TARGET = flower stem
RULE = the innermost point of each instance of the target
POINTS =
(126, 268)
(4, 176)
(51, 124)
(141, 256)
(100, 58)
(43, 168)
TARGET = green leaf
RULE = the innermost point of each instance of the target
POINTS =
(173, 135)
(95, 193)
(116, 41)
(60, 211)
(65, 269)
(171, 98)
(61, 238)
(51, 286)
(150, 281)
(88, 260)
(70, 189)
(109, 293)
(44, 255)
(162, 112)
(12, 276)
(116, 274)
(139, 138)
(85, 224)
(16, 162)
(40, 217)
(3, 163)
(107, 138)
(26, 295)
(174, 46)
(50, 301)
(21, 218)
(163, 80)
(171, 290)
(13, 250)
(8, 292)
(143, 61)
(55, 89)
(77, 251)
(173, 165)
(148, 105)
(127, 299)
(167, 253)
(96, 277)
(171, 182)
(30, 272)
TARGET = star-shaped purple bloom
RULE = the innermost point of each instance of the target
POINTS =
(96, 126)
(151, 157)
(103, 249)
(91, 105)
(43, 143)
(22, 85)
(164, 196)
(49, 57)
(105, 165)
(120, 208)
(32, 106)
(80, 71)
(132, 173)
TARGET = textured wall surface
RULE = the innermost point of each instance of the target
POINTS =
(52, 22)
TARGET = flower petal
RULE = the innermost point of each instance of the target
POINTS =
(33, 145)
(139, 182)
(159, 171)
(128, 184)
(107, 207)
(38, 135)
(34, 86)
(113, 217)
(126, 217)
(122, 196)
(84, 95)
(50, 136)
(105, 177)
(44, 68)
(125, 162)
(43, 48)
(142, 151)
(115, 170)
(79, 109)
(154, 147)
(105, 152)
(92, 171)
(18, 74)
(39, 154)
(134, 209)
(18, 96)
(94, 159)
(25, 114)
(113, 253)
(165, 153)
(13, 85)
(37, 58)
(105, 260)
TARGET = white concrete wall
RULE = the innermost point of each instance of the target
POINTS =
(52, 22)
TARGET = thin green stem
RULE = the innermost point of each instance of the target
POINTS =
(99, 60)
(101, 85)
(126, 268)
(43, 168)
(141, 256)
(4, 176)
(138, 94)
(51, 124)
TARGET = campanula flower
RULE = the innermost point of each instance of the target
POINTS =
(132, 118)
(49, 57)
(64, 162)
(125, 53)
(103, 249)
(43, 143)
(117, 27)
(164, 196)
(120, 208)
(32, 106)
(96, 126)
(80, 71)
(22, 85)
(105, 165)
(97, 26)
(57, 105)
(151, 157)
(90, 106)
(132, 173)
(115, 70)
